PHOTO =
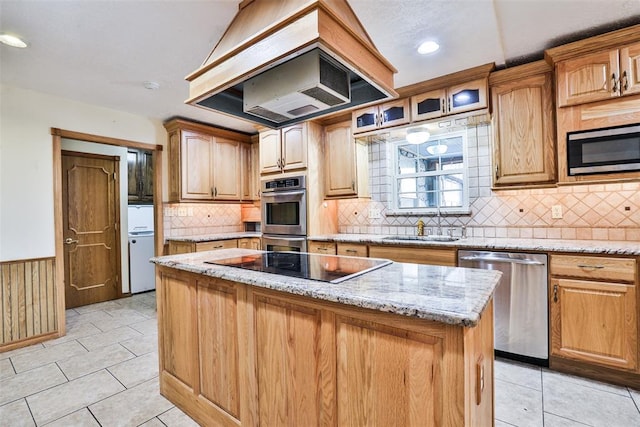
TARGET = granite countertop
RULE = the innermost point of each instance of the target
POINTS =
(214, 237)
(541, 245)
(450, 295)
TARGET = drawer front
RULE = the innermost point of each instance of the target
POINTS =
(353, 249)
(446, 257)
(218, 244)
(327, 248)
(591, 267)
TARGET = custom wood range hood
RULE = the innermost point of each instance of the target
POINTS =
(283, 62)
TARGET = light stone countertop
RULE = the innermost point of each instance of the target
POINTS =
(452, 295)
(213, 237)
(538, 245)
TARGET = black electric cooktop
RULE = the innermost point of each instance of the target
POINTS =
(325, 268)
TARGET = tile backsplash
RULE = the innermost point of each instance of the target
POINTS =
(589, 211)
(192, 219)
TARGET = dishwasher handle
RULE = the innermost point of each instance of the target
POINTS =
(507, 260)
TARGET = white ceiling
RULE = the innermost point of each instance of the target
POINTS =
(101, 52)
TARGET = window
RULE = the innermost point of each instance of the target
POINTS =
(431, 176)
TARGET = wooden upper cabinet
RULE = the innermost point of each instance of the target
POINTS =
(346, 163)
(630, 69)
(599, 76)
(454, 99)
(294, 147)
(283, 150)
(391, 113)
(247, 177)
(140, 175)
(205, 163)
(524, 125)
(588, 78)
(227, 182)
(197, 165)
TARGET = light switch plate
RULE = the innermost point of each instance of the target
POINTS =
(556, 211)
(375, 214)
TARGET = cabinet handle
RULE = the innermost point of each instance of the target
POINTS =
(353, 185)
(443, 106)
(218, 247)
(625, 78)
(321, 249)
(555, 293)
(497, 172)
(282, 163)
(215, 191)
(351, 251)
(593, 267)
(449, 104)
(69, 241)
(614, 82)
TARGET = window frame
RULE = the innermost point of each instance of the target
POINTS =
(395, 176)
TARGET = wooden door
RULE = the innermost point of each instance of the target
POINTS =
(91, 221)
(294, 147)
(270, 152)
(429, 105)
(340, 161)
(467, 97)
(289, 362)
(524, 129)
(247, 172)
(630, 69)
(594, 322)
(387, 376)
(197, 164)
(588, 78)
(226, 170)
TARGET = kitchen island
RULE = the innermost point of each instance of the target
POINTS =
(403, 344)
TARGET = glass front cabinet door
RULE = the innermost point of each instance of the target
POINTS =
(452, 100)
(380, 116)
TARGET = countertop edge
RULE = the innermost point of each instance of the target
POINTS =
(337, 293)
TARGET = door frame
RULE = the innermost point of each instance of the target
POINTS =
(57, 135)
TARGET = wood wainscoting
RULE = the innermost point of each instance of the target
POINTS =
(28, 299)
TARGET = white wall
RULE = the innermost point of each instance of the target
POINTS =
(121, 152)
(26, 161)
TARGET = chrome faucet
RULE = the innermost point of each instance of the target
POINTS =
(439, 218)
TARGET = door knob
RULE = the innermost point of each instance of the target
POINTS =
(70, 241)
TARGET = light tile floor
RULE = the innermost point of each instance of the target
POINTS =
(104, 372)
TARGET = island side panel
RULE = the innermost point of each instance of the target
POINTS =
(479, 384)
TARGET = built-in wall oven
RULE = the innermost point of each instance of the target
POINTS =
(284, 214)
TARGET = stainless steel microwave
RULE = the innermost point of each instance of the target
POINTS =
(606, 150)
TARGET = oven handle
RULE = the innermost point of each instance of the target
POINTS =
(293, 239)
(282, 193)
(508, 260)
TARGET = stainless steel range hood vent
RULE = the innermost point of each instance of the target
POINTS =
(280, 63)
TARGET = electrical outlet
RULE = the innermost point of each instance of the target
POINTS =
(556, 211)
(375, 214)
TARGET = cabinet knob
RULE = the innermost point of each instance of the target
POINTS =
(70, 241)
(625, 78)
(614, 83)
(555, 293)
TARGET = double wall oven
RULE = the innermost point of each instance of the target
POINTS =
(284, 214)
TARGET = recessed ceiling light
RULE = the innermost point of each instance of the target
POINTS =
(151, 85)
(428, 47)
(10, 40)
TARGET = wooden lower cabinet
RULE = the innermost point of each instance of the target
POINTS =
(446, 257)
(249, 243)
(235, 355)
(178, 247)
(594, 322)
(324, 248)
(352, 249)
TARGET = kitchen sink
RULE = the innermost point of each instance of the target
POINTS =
(430, 238)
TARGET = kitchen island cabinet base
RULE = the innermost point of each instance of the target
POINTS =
(233, 354)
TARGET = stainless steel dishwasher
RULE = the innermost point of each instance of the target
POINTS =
(520, 303)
